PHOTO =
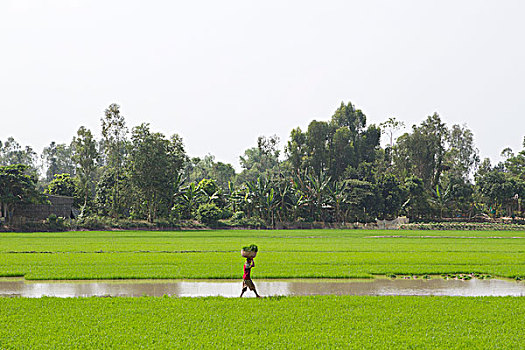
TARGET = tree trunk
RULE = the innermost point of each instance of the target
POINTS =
(85, 201)
(150, 209)
(9, 213)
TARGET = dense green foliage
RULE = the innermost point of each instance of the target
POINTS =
(63, 185)
(209, 214)
(154, 161)
(335, 171)
(282, 254)
(17, 187)
(329, 322)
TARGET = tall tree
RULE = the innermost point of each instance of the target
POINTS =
(461, 156)
(390, 127)
(296, 151)
(515, 163)
(342, 152)
(207, 168)
(422, 152)
(154, 168)
(336, 146)
(350, 117)
(262, 160)
(57, 160)
(84, 155)
(114, 133)
(11, 153)
(318, 139)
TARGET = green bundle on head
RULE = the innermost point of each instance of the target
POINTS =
(251, 248)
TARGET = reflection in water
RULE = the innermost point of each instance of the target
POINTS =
(436, 286)
(228, 288)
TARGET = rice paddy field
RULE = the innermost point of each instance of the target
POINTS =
(329, 322)
(283, 254)
(346, 322)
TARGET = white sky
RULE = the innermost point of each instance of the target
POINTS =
(221, 73)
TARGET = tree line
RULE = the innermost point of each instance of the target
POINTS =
(334, 171)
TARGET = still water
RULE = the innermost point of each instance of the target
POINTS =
(228, 288)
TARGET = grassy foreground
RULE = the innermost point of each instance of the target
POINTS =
(283, 254)
(281, 323)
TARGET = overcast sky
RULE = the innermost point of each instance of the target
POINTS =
(222, 73)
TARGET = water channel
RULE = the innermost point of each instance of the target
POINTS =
(18, 287)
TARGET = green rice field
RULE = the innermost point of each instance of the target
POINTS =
(329, 322)
(313, 322)
(282, 254)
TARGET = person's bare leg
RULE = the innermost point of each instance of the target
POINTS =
(256, 294)
(243, 290)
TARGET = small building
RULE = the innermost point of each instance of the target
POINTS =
(61, 206)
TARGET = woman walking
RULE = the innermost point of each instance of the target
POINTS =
(246, 279)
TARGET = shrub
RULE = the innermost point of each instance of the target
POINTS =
(52, 219)
(462, 226)
(226, 214)
(56, 223)
(209, 214)
(239, 219)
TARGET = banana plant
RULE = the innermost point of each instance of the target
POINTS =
(234, 197)
(296, 202)
(189, 198)
(337, 196)
(284, 193)
(317, 190)
(442, 199)
(263, 196)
